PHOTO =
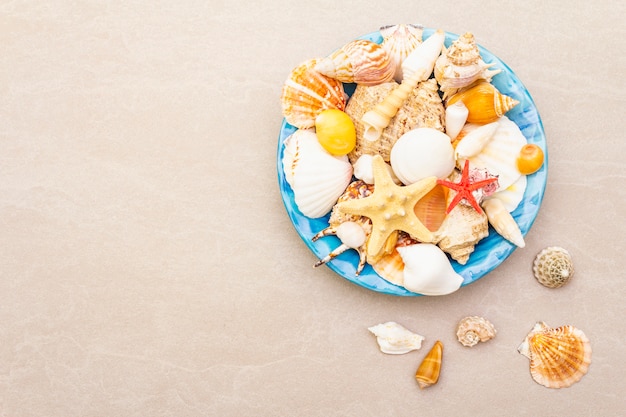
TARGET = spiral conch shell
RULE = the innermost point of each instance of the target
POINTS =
(427, 270)
(316, 177)
(359, 61)
(428, 372)
(460, 65)
(559, 357)
(416, 67)
(553, 267)
(484, 102)
(395, 339)
(474, 329)
(422, 108)
(400, 41)
(306, 93)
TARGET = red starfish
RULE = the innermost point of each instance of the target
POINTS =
(464, 188)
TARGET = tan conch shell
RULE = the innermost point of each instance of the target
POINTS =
(484, 102)
(428, 372)
(502, 221)
(399, 41)
(553, 267)
(416, 67)
(395, 339)
(360, 61)
(474, 329)
(422, 108)
(316, 177)
(460, 231)
(460, 65)
(351, 230)
(559, 357)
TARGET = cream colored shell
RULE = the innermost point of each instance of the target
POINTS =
(553, 267)
(395, 339)
(474, 329)
(399, 41)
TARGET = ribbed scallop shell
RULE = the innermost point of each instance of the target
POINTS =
(460, 65)
(306, 93)
(559, 357)
(423, 108)
(399, 41)
(359, 61)
(553, 267)
(317, 178)
(474, 329)
(499, 155)
(484, 102)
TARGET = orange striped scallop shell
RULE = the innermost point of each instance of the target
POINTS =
(306, 93)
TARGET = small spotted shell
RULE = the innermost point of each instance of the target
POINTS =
(553, 267)
(474, 329)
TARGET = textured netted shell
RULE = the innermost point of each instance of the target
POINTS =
(559, 357)
(553, 267)
(474, 329)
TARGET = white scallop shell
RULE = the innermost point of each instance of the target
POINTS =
(421, 153)
(499, 156)
(317, 178)
(428, 271)
(395, 339)
(399, 41)
(513, 194)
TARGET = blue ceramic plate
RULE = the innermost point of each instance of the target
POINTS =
(492, 250)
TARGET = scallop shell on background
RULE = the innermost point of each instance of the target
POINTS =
(423, 108)
(395, 339)
(559, 357)
(306, 93)
(499, 155)
(460, 65)
(553, 267)
(317, 178)
(399, 41)
(359, 61)
(474, 329)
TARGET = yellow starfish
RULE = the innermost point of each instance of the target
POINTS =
(390, 207)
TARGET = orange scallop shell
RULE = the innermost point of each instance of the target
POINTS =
(306, 93)
(559, 357)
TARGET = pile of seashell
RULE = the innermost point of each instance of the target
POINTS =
(416, 164)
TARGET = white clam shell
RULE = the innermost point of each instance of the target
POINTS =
(499, 156)
(428, 271)
(395, 339)
(421, 153)
(317, 178)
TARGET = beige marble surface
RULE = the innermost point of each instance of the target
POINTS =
(148, 267)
